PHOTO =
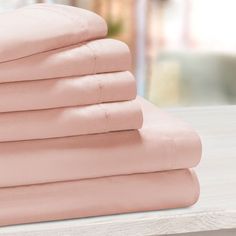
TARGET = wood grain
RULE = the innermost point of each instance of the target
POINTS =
(216, 209)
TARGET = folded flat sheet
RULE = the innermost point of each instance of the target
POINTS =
(163, 143)
(101, 196)
(42, 27)
(99, 56)
(67, 91)
(69, 121)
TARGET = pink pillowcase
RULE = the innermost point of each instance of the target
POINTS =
(100, 56)
(70, 121)
(42, 27)
(67, 91)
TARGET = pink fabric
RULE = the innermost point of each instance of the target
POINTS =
(42, 27)
(101, 196)
(163, 143)
(99, 56)
(68, 91)
(69, 121)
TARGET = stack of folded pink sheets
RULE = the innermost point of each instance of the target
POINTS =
(75, 141)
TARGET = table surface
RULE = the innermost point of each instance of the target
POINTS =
(215, 210)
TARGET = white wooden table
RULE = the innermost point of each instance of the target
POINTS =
(216, 209)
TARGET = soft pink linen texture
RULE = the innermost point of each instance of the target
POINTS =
(163, 143)
(67, 91)
(99, 56)
(42, 27)
(100, 196)
(70, 121)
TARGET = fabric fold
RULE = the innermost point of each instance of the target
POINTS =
(101, 196)
(70, 121)
(99, 56)
(163, 143)
(63, 91)
(66, 92)
(42, 27)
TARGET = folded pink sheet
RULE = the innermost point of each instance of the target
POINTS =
(68, 91)
(69, 121)
(101, 196)
(163, 143)
(42, 27)
(99, 56)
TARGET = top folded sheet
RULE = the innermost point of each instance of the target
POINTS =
(42, 27)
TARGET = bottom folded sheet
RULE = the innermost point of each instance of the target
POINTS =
(99, 196)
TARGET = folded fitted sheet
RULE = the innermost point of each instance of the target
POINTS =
(163, 143)
(69, 121)
(99, 56)
(42, 27)
(100, 196)
(67, 91)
